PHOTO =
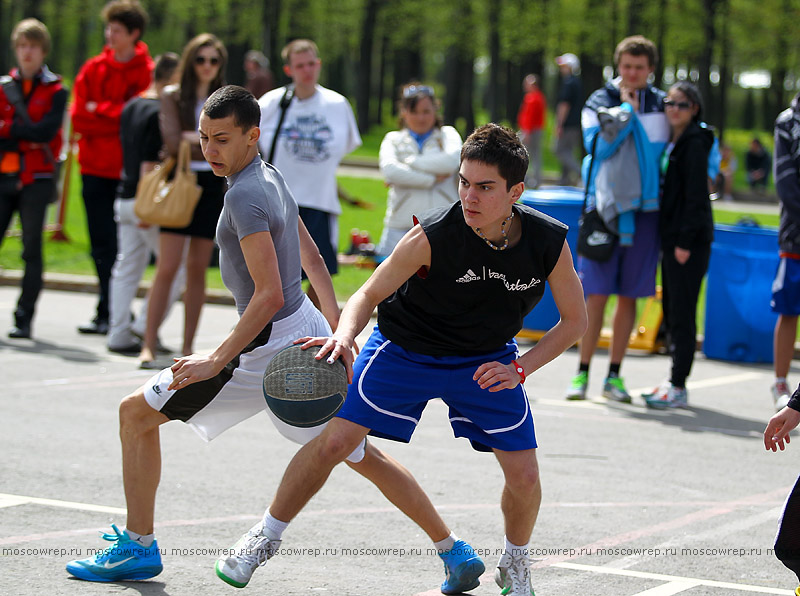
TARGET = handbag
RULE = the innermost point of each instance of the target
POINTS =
(168, 202)
(595, 240)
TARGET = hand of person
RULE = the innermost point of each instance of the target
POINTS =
(629, 95)
(776, 435)
(559, 131)
(496, 376)
(442, 177)
(91, 106)
(143, 225)
(191, 369)
(335, 347)
(682, 255)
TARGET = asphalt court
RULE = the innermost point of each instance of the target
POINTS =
(636, 502)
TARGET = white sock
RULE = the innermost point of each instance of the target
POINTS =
(445, 545)
(273, 528)
(146, 540)
(516, 550)
(780, 380)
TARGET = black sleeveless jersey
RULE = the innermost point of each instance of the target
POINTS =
(473, 299)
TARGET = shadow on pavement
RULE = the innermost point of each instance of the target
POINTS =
(145, 588)
(35, 346)
(702, 420)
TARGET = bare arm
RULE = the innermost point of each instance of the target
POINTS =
(262, 264)
(568, 295)
(318, 276)
(412, 252)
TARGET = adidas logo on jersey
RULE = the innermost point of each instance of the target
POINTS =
(468, 277)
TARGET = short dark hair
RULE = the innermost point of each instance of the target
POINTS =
(33, 31)
(165, 66)
(499, 146)
(637, 45)
(128, 12)
(236, 101)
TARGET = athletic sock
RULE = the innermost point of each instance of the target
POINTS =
(445, 545)
(146, 540)
(780, 380)
(516, 550)
(273, 528)
(613, 369)
(583, 367)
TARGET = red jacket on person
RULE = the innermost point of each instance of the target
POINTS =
(531, 112)
(38, 141)
(109, 84)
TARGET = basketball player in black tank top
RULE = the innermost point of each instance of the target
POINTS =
(485, 258)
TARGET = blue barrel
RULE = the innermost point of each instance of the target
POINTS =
(564, 204)
(739, 322)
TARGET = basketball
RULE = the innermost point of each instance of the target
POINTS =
(301, 390)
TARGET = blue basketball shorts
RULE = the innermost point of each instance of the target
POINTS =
(786, 287)
(391, 387)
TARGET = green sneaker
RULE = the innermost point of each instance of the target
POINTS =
(577, 388)
(614, 388)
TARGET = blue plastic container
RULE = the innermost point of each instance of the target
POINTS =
(739, 323)
(564, 204)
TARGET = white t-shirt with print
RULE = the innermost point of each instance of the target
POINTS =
(316, 134)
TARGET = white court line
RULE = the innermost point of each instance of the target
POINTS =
(672, 579)
(7, 500)
(669, 589)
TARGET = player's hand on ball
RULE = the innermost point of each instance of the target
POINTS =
(334, 348)
(496, 376)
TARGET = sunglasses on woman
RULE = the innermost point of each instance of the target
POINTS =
(681, 105)
(200, 60)
(417, 90)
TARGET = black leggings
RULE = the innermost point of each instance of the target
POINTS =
(787, 543)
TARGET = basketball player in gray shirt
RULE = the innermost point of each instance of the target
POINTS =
(263, 245)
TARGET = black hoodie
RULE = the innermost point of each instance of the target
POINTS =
(685, 216)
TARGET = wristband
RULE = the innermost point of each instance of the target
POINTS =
(519, 369)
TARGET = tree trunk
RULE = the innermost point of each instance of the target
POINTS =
(364, 87)
(493, 100)
(661, 31)
(706, 56)
(724, 72)
(635, 22)
(382, 78)
(270, 17)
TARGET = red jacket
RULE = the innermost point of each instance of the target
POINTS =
(38, 142)
(110, 84)
(531, 112)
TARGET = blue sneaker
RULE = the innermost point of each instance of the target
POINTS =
(462, 568)
(122, 561)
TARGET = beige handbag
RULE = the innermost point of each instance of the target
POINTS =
(168, 203)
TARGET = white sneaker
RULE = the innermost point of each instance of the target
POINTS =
(251, 551)
(513, 575)
(780, 395)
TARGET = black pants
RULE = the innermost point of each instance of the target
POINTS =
(787, 543)
(31, 203)
(680, 291)
(98, 197)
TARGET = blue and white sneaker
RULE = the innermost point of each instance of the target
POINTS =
(462, 568)
(124, 560)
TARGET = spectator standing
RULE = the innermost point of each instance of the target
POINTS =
(786, 286)
(758, 163)
(136, 241)
(530, 122)
(258, 77)
(624, 187)
(687, 229)
(318, 130)
(419, 163)
(202, 71)
(32, 102)
(568, 118)
(102, 87)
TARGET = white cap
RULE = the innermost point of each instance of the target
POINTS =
(570, 60)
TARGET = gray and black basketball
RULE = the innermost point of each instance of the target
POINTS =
(303, 391)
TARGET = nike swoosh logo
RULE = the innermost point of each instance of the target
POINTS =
(109, 565)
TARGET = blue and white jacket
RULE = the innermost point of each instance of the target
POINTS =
(649, 131)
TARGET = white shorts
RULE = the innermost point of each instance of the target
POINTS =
(213, 406)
